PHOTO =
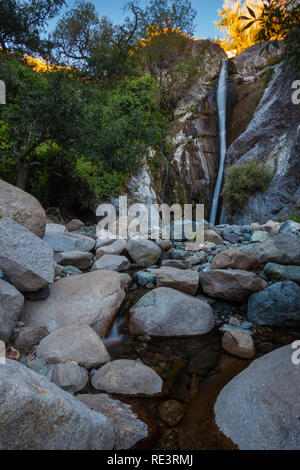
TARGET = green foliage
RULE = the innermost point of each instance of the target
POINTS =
(21, 22)
(243, 181)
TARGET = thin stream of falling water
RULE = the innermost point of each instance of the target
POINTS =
(222, 105)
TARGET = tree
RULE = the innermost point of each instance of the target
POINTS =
(279, 19)
(21, 22)
(237, 37)
(41, 107)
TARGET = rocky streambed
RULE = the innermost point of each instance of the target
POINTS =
(120, 344)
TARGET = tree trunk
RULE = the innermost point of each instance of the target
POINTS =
(22, 174)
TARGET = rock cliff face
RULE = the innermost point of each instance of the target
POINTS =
(272, 135)
(262, 123)
(187, 171)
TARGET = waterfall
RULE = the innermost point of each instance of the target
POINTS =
(164, 183)
(222, 106)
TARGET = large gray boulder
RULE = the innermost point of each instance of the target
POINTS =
(127, 377)
(128, 428)
(92, 298)
(78, 343)
(143, 252)
(184, 280)
(79, 259)
(22, 207)
(35, 414)
(283, 248)
(230, 284)
(168, 312)
(11, 305)
(278, 304)
(69, 241)
(259, 409)
(26, 260)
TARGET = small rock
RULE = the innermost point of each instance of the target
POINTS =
(239, 343)
(259, 236)
(112, 262)
(171, 412)
(184, 280)
(74, 225)
(127, 377)
(70, 377)
(174, 263)
(79, 259)
(143, 278)
(114, 248)
(203, 362)
(212, 236)
(29, 336)
(164, 245)
(55, 228)
(233, 259)
(143, 252)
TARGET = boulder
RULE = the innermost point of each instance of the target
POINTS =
(270, 226)
(277, 272)
(283, 248)
(112, 262)
(143, 252)
(29, 336)
(289, 226)
(25, 259)
(91, 298)
(23, 208)
(69, 242)
(184, 280)
(275, 305)
(231, 284)
(11, 305)
(169, 312)
(234, 259)
(35, 414)
(239, 343)
(74, 225)
(259, 408)
(129, 430)
(213, 237)
(127, 377)
(70, 377)
(79, 259)
(78, 343)
(114, 248)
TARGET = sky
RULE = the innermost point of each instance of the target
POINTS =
(207, 14)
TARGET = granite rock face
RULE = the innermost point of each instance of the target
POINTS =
(26, 260)
(260, 408)
(35, 414)
(22, 207)
(168, 312)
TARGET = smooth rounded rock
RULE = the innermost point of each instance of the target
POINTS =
(239, 343)
(127, 377)
(184, 280)
(79, 259)
(70, 377)
(35, 414)
(112, 262)
(230, 284)
(259, 409)
(23, 208)
(143, 252)
(78, 343)
(169, 312)
(234, 259)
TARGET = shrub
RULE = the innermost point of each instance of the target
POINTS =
(243, 181)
